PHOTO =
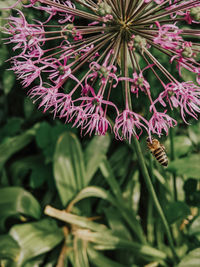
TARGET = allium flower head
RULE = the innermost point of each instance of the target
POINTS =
(83, 62)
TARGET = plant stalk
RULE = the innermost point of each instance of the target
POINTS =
(152, 192)
(172, 157)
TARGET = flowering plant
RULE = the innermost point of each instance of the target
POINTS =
(110, 39)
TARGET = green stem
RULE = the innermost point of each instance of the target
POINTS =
(151, 167)
(124, 68)
(153, 195)
(150, 210)
(172, 157)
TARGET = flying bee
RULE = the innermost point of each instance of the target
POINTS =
(158, 150)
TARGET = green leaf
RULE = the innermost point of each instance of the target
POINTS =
(12, 127)
(43, 135)
(102, 235)
(182, 145)
(177, 211)
(80, 251)
(39, 175)
(15, 201)
(9, 248)
(109, 177)
(116, 224)
(107, 240)
(37, 261)
(79, 221)
(8, 81)
(14, 144)
(20, 168)
(190, 186)
(187, 166)
(69, 169)
(99, 260)
(4, 180)
(195, 228)
(194, 131)
(120, 167)
(160, 178)
(3, 52)
(127, 213)
(57, 130)
(46, 138)
(192, 259)
(28, 107)
(94, 154)
(93, 191)
(36, 238)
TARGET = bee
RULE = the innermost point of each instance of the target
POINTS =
(158, 150)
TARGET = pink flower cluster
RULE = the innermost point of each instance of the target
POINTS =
(106, 41)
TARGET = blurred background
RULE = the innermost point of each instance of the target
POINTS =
(67, 200)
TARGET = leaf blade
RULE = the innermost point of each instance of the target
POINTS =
(94, 154)
(36, 238)
(69, 169)
(9, 248)
(16, 201)
(14, 144)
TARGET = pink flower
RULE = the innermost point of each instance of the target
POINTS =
(168, 36)
(47, 95)
(60, 71)
(79, 116)
(104, 71)
(126, 124)
(91, 115)
(156, 1)
(90, 122)
(138, 82)
(89, 104)
(26, 70)
(26, 37)
(185, 58)
(63, 105)
(160, 121)
(182, 7)
(97, 122)
(185, 95)
(53, 11)
(29, 4)
(88, 62)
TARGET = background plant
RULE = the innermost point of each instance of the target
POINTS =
(99, 210)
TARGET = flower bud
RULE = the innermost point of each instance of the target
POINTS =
(187, 52)
(104, 9)
(139, 42)
(195, 13)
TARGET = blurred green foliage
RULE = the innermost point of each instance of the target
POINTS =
(98, 210)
